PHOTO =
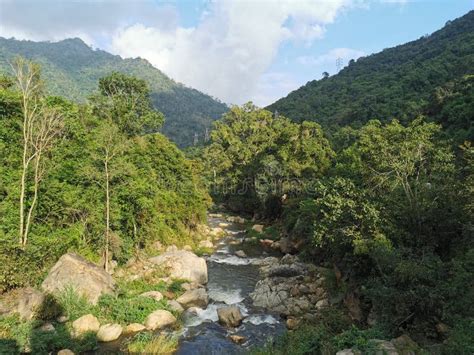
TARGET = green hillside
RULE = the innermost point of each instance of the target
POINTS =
(399, 82)
(72, 69)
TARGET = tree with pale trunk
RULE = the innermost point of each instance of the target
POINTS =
(41, 125)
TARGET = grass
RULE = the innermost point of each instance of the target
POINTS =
(147, 343)
(18, 336)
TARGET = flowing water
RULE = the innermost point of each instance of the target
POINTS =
(231, 280)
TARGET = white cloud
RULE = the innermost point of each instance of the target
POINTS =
(232, 46)
(226, 53)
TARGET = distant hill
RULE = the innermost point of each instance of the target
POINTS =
(72, 69)
(399, 82)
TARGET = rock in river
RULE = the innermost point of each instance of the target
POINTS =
(183, 264)
(230, 316)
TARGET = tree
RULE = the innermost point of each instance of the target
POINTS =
(40, 126)
(126, 101)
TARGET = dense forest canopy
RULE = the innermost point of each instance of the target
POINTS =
(399, 82)
(72, 69)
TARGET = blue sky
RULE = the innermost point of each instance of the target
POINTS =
(238, 50)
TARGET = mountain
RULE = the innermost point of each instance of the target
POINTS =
(399, 82)
(72, 69)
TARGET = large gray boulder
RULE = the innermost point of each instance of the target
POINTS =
(230, 316)
(182, 264)
(88, 279)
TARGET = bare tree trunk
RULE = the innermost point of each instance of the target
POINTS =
(35, 198)
(107, 213)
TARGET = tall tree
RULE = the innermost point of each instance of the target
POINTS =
(40, 126)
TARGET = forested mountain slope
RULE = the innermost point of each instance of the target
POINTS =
(72, 69)
(401, 82)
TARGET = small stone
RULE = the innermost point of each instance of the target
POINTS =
(240, 254)
(322, 304)
(62, 319)
(292, 323)
(47, 327)
(230, 316)
(238, 339)
(65, 352)
(258, 228)
(266, 243)
(442, 328)
(159, 319)
(171, 248)
(109, 332)
(134, 328)
(156, 295)
(85, 324)
(188, 248)
(175, 306)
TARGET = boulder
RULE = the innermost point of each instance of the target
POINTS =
(230, 316)
(258, 228)
(235, 219)
(134, 328)
(286, 247)
(292, 323)
(47, 327)
(85, 324)
(159, 319)
(266, 243)
(206, 244)
(240, 254)
(175, 306)
(65, 352)
(405, 345)
(86, 278)
(183, 264)
(156, 295)
(348, 352)
(194, 298)
(30, 302)
(109, 332)
(384, 347)
(238, 339)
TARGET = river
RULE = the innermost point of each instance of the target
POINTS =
(231, 280)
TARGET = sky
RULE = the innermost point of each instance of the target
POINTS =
(234, 50)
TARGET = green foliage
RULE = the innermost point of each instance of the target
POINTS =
(400, 82)
(461, 339)
(358, 339)
(17, 336)
(155, 193)
(126, 310)
(255, 158)
(72, 69)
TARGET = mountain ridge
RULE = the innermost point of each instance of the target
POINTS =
(72, 69)
(397, 82)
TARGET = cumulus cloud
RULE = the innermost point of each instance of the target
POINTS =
(92, 20)
(226, 53)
